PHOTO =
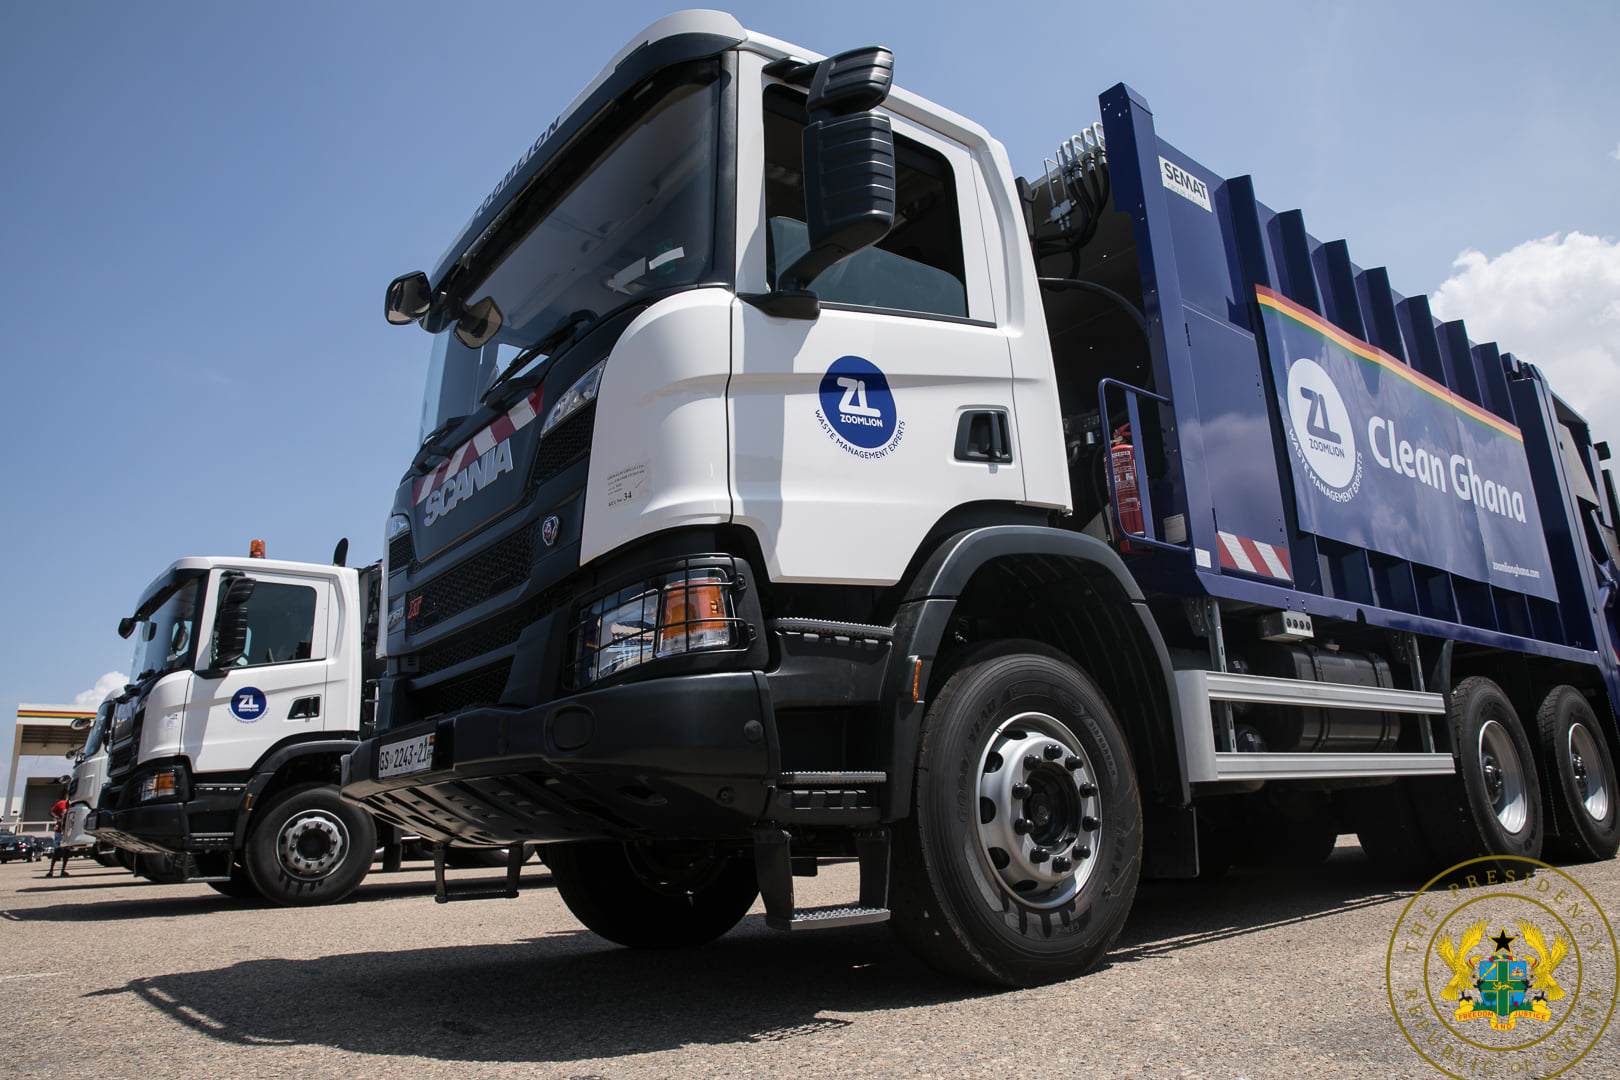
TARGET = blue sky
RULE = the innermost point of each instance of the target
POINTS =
(200, 205)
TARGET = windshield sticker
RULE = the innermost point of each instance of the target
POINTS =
(857, 411)
(247, 704)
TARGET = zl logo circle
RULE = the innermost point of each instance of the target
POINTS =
(248, 704)
(858, 410)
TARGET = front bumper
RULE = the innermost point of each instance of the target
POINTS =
(196, 826)
(682, 756)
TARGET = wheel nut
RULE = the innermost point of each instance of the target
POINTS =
(1082, 852)
(1020, 791)
(1073, 762)
(1031, 761)
(1053, 751)
(1089, 823)
(1039, 855)
(1021, 826)
(1087, 790)
(1062, 865)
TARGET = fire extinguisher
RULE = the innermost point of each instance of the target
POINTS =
(1128, 498)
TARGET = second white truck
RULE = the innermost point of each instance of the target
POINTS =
(249, 684)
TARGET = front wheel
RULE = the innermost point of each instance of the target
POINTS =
(1021, 857)
(653, 896)
(1581, 792)
(309, 847)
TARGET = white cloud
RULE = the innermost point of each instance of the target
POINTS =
(1554, 302)
(89, 699)
(1616, 154)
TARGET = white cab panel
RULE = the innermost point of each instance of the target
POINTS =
(658, 455)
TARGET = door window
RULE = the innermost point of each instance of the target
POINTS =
(280, 623)
(917, 267)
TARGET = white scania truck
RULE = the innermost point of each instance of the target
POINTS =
(796, 482)
(249, 684)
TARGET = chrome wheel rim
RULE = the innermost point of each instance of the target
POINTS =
(1591, 780)
(1039, 810)
(312, 844)
(1504, 776)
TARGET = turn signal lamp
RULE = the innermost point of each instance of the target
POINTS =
(694, 617)
(256, 549)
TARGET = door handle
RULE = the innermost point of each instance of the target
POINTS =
(983, 435)
(305, 708)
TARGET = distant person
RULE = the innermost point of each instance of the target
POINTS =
(59, 816)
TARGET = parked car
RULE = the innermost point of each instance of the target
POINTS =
(44, 845)
(16, 846)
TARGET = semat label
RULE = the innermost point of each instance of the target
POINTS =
(1183, 183)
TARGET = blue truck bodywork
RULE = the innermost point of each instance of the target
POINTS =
(1207, 276)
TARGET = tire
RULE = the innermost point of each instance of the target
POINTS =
(1021, 857)
(653, 898)
(1578, 779)
(239, 887)
(308, 846)
(1492, 806)
(164, 869)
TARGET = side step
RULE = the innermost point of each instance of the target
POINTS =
(1198, 689)
(773, 861)
(483, 888)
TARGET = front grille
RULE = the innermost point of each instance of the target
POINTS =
(486, 637)
(490, 572)
(567, 442)
(399, 552)
(482, 687)
(120, 759)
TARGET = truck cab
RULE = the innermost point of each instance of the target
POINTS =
(248, 684)
(84, 790)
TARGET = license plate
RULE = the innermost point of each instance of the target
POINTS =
(411, 756)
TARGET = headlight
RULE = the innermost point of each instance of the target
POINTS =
(681, 613)
(398, 524)
(166, 785)
(576, 397)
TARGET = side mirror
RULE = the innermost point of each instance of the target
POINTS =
(849, 174)
(126, 625)
(71, 755)
(230, 627)
(409, 298)
(479, 323)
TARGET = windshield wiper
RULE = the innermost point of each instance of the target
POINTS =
(430, 448)
(566, 332)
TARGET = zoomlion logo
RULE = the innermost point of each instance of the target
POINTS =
(1321, 433)
(857, 411)
(1529, 999)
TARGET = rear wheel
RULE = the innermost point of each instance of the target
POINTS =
(164, 869)
(1021, 858)
(1581, 793)
(239, 887)
(308, 846)
(653, 897)
(1493, 805)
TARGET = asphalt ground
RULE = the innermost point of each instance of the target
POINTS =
(1263, 973)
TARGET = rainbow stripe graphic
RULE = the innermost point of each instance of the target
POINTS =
(1313, 322)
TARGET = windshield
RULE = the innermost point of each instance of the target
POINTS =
(98, 731)
(165, 638)
(641, 218)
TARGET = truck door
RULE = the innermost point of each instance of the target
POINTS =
(846, 428)
(276, 689)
